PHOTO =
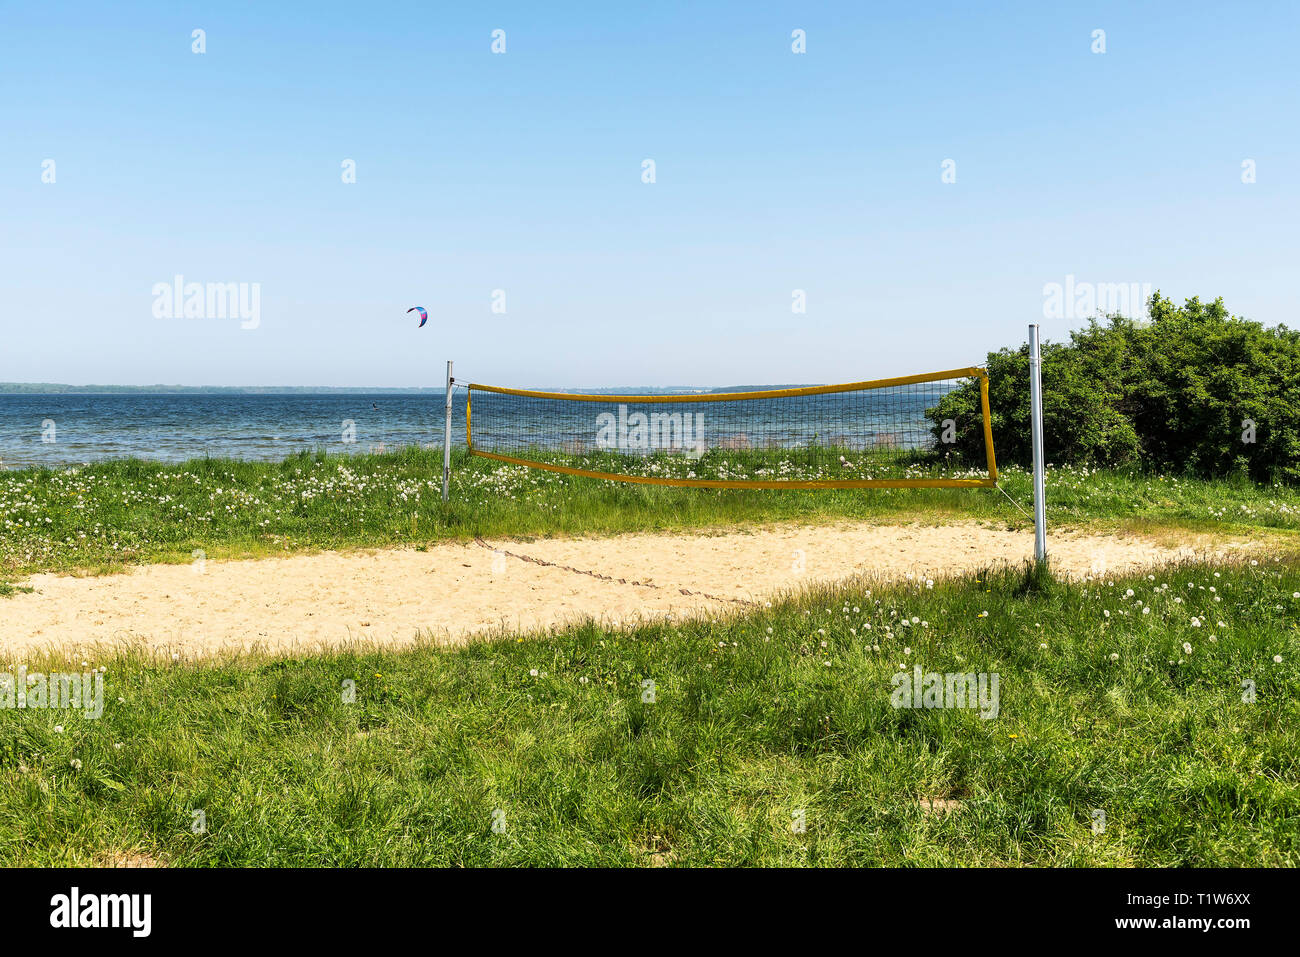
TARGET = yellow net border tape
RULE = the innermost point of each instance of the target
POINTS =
(720, 483)
(739, 396)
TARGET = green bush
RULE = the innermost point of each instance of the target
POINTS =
(1174, 393)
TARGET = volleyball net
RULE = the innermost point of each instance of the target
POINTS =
(880, 433)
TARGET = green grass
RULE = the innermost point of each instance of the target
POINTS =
(756, 718)
(103, 516)
(754, 721)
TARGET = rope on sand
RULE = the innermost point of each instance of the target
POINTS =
(608, 578)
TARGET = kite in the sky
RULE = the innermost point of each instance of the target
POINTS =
(424, 314)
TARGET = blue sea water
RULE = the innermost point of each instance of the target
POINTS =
(59, 430)
(64, 429)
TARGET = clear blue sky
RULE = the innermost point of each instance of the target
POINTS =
(522, 172)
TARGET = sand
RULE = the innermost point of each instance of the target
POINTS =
(451, 593)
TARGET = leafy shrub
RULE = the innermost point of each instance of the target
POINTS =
(1177, 392)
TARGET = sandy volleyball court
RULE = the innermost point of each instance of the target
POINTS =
(453, 592)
